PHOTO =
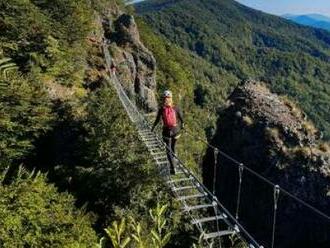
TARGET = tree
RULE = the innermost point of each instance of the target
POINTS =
(34, 214)
(24, 115)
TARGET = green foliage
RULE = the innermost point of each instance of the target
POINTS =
(137, 234)
(5, 67)
(47, 37)
(121, 174)
(159, 238)
(81, 141)
(201, 243)
(116, 233)
(242, 43)
(236, 242)
(157, 235)
(42, 43)
(107, 166)
(47, 41)
(34, 214)
(24, 115)
(110, 132)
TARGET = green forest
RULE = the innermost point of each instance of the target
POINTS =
(229, 42)
(64, 179)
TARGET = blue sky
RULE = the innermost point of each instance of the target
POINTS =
(280, 7)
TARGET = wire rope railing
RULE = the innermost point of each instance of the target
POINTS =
(144, 129)
(277, 189)
(264, 179)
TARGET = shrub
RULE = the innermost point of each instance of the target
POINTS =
(34, 214)
(248, 120)
(157, 235)
(24, 115)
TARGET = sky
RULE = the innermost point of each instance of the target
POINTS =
(280, 7)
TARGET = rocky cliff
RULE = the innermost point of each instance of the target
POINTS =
(136, 66)
(273, 137)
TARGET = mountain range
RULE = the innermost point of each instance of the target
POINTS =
(313, 20)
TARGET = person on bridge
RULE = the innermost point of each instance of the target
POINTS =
(172, 125)
(113, 69)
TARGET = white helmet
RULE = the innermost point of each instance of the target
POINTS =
(167, 93)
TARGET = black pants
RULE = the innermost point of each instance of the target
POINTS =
(170, 149)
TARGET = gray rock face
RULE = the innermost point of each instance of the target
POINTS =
(126, 29)
(253, 99)
(272, 136)
(136, 64)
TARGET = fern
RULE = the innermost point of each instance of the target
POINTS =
(159, 239)
(6, 66)
(102, 243)
(157, 236)
(137, 235)
(116, 234)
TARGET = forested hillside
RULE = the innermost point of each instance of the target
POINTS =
(71, 168)
(240, 43)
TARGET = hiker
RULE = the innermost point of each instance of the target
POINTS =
(170, 115)
(113, 69)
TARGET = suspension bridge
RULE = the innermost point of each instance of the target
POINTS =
(206, 212)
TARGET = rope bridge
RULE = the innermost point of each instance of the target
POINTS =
(206, 212)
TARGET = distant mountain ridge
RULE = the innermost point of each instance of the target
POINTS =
(313, 20)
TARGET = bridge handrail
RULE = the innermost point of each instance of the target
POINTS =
(237, 163)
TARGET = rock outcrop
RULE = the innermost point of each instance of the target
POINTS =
(136, 66)
(272, 136)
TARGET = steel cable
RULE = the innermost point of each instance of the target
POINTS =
(237, 163)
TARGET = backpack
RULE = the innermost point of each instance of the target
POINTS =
(169, 117)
